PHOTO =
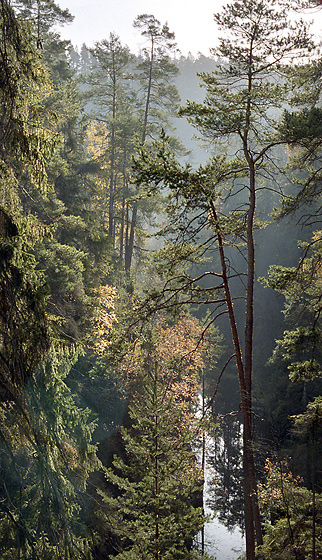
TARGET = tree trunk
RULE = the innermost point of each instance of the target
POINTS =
(112, 171)
(122, 228)
(250, 490)
(203, 466)
(249, 333)
(130, 246)
(249, 465)
(128, 260)
(156, 475)
(313, 494)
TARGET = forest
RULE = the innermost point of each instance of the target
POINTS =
(160, 288)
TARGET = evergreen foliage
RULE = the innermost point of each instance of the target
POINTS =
(300, 347)
(76, 194)
(25, 147)
(154, 485)
(287, 506)
(46, 458)
(113, 107)
(243, 105)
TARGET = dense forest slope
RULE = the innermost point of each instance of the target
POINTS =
(160, 282)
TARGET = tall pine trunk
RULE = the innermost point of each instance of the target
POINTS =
(250, 490)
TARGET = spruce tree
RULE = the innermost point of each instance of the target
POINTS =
(154, 483)
(25, 146)
(153, 516)
(46, 459)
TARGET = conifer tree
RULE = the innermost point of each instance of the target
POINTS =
(242, 104)
(152, 484)
(308, 426)
(160, 98)
(287, 510)
(300, 346)
(25, 146)
(45, 452)
(114, 105)
(44, 14)
(46, 458)
(74, 255)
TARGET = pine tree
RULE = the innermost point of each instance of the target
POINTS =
(44, 14)
(160, 98)
(114, 104)
(242, 104)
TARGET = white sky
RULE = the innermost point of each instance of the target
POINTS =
(191, 20)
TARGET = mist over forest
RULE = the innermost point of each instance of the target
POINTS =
(160, 289)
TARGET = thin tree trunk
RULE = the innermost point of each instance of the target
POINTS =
(287, 509)
(203, 466)
(112, 171)
(249, 333)
(124, 209)
(313, 496)
(156, 496)
(126, 252)
(20, 522)
(128, 261)
(121, 256)
(156, 476)
(249, 464)
(129, 253)
(248, 458)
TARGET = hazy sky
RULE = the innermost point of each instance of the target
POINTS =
(191, 20)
